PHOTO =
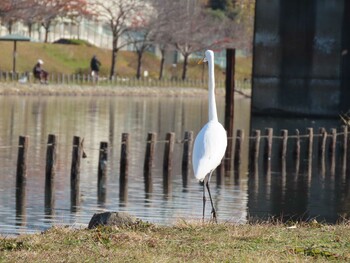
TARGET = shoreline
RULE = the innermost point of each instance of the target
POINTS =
(32, 89)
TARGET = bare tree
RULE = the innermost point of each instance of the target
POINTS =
(118, 14)
(49, 10)
(192, 30)
(162, 24)
(10, 12)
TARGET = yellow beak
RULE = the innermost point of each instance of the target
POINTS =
(201, 61)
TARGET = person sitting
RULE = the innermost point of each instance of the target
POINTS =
(39, 73)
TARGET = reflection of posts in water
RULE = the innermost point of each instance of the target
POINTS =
(149, 156)
(20, 202)
(187, 155)
(167, 161)
(238, 153)
(21, 178)
(102, 172)
(124, 168)
(51, 156)
(77, 154)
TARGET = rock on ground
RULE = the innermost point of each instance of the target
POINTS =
(112, 219)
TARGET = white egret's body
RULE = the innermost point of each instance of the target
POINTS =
(211, 141)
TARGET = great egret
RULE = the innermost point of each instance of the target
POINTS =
(211, 141)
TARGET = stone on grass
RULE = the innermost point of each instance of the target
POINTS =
(112, 219)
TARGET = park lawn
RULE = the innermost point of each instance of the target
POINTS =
(184, 242)
(74, 59)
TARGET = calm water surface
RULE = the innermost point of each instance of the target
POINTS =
(99, 119)
(297, 192)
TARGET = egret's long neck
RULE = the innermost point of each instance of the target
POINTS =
(211, 93)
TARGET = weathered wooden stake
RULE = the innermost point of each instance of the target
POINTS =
(124, 167)
(254, 152)
(296, 152)
(238, 149)
(22, 159)
(187, 156)
(268, 150)
(322, 143)
(284, 134)
(229, 104)
(77, 154)
(168, 159)
(102, 172)
(21, 175)
(332, 149)
(310, 132)
(51, 156)
(321, 150)
(149, 156)
(344, 149)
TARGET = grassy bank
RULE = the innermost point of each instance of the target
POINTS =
(75, 59)
(184, 242)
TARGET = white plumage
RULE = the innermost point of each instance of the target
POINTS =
(210, 144)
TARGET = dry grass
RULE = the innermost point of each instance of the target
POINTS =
(184, 242)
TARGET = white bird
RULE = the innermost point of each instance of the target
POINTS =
(211, 141)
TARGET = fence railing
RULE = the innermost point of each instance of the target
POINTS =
(87, 79)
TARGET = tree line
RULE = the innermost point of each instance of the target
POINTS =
(188, 26)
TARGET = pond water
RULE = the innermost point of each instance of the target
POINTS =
(301, 194)
(98, 119)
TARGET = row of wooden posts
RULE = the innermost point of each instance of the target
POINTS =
(254, 149)
(323, 151)
(255, 140)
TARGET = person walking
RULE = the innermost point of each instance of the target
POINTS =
(95, 67)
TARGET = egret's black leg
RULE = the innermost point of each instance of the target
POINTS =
(204, 199)
(213, 211)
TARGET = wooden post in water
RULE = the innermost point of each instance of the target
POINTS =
(77, 153)
(254, 152)
(22, 159)
(51, 156)
(149, 156)
(284, 134)
(21, 177)
(332, 150)
(268, 150)
(102, 172)
(124, 167)
(297, 151)
(310, 132)
(344, 149)
(186, 156)
(229, 104)
(238, 151)
(321, 150)
(168, 160)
